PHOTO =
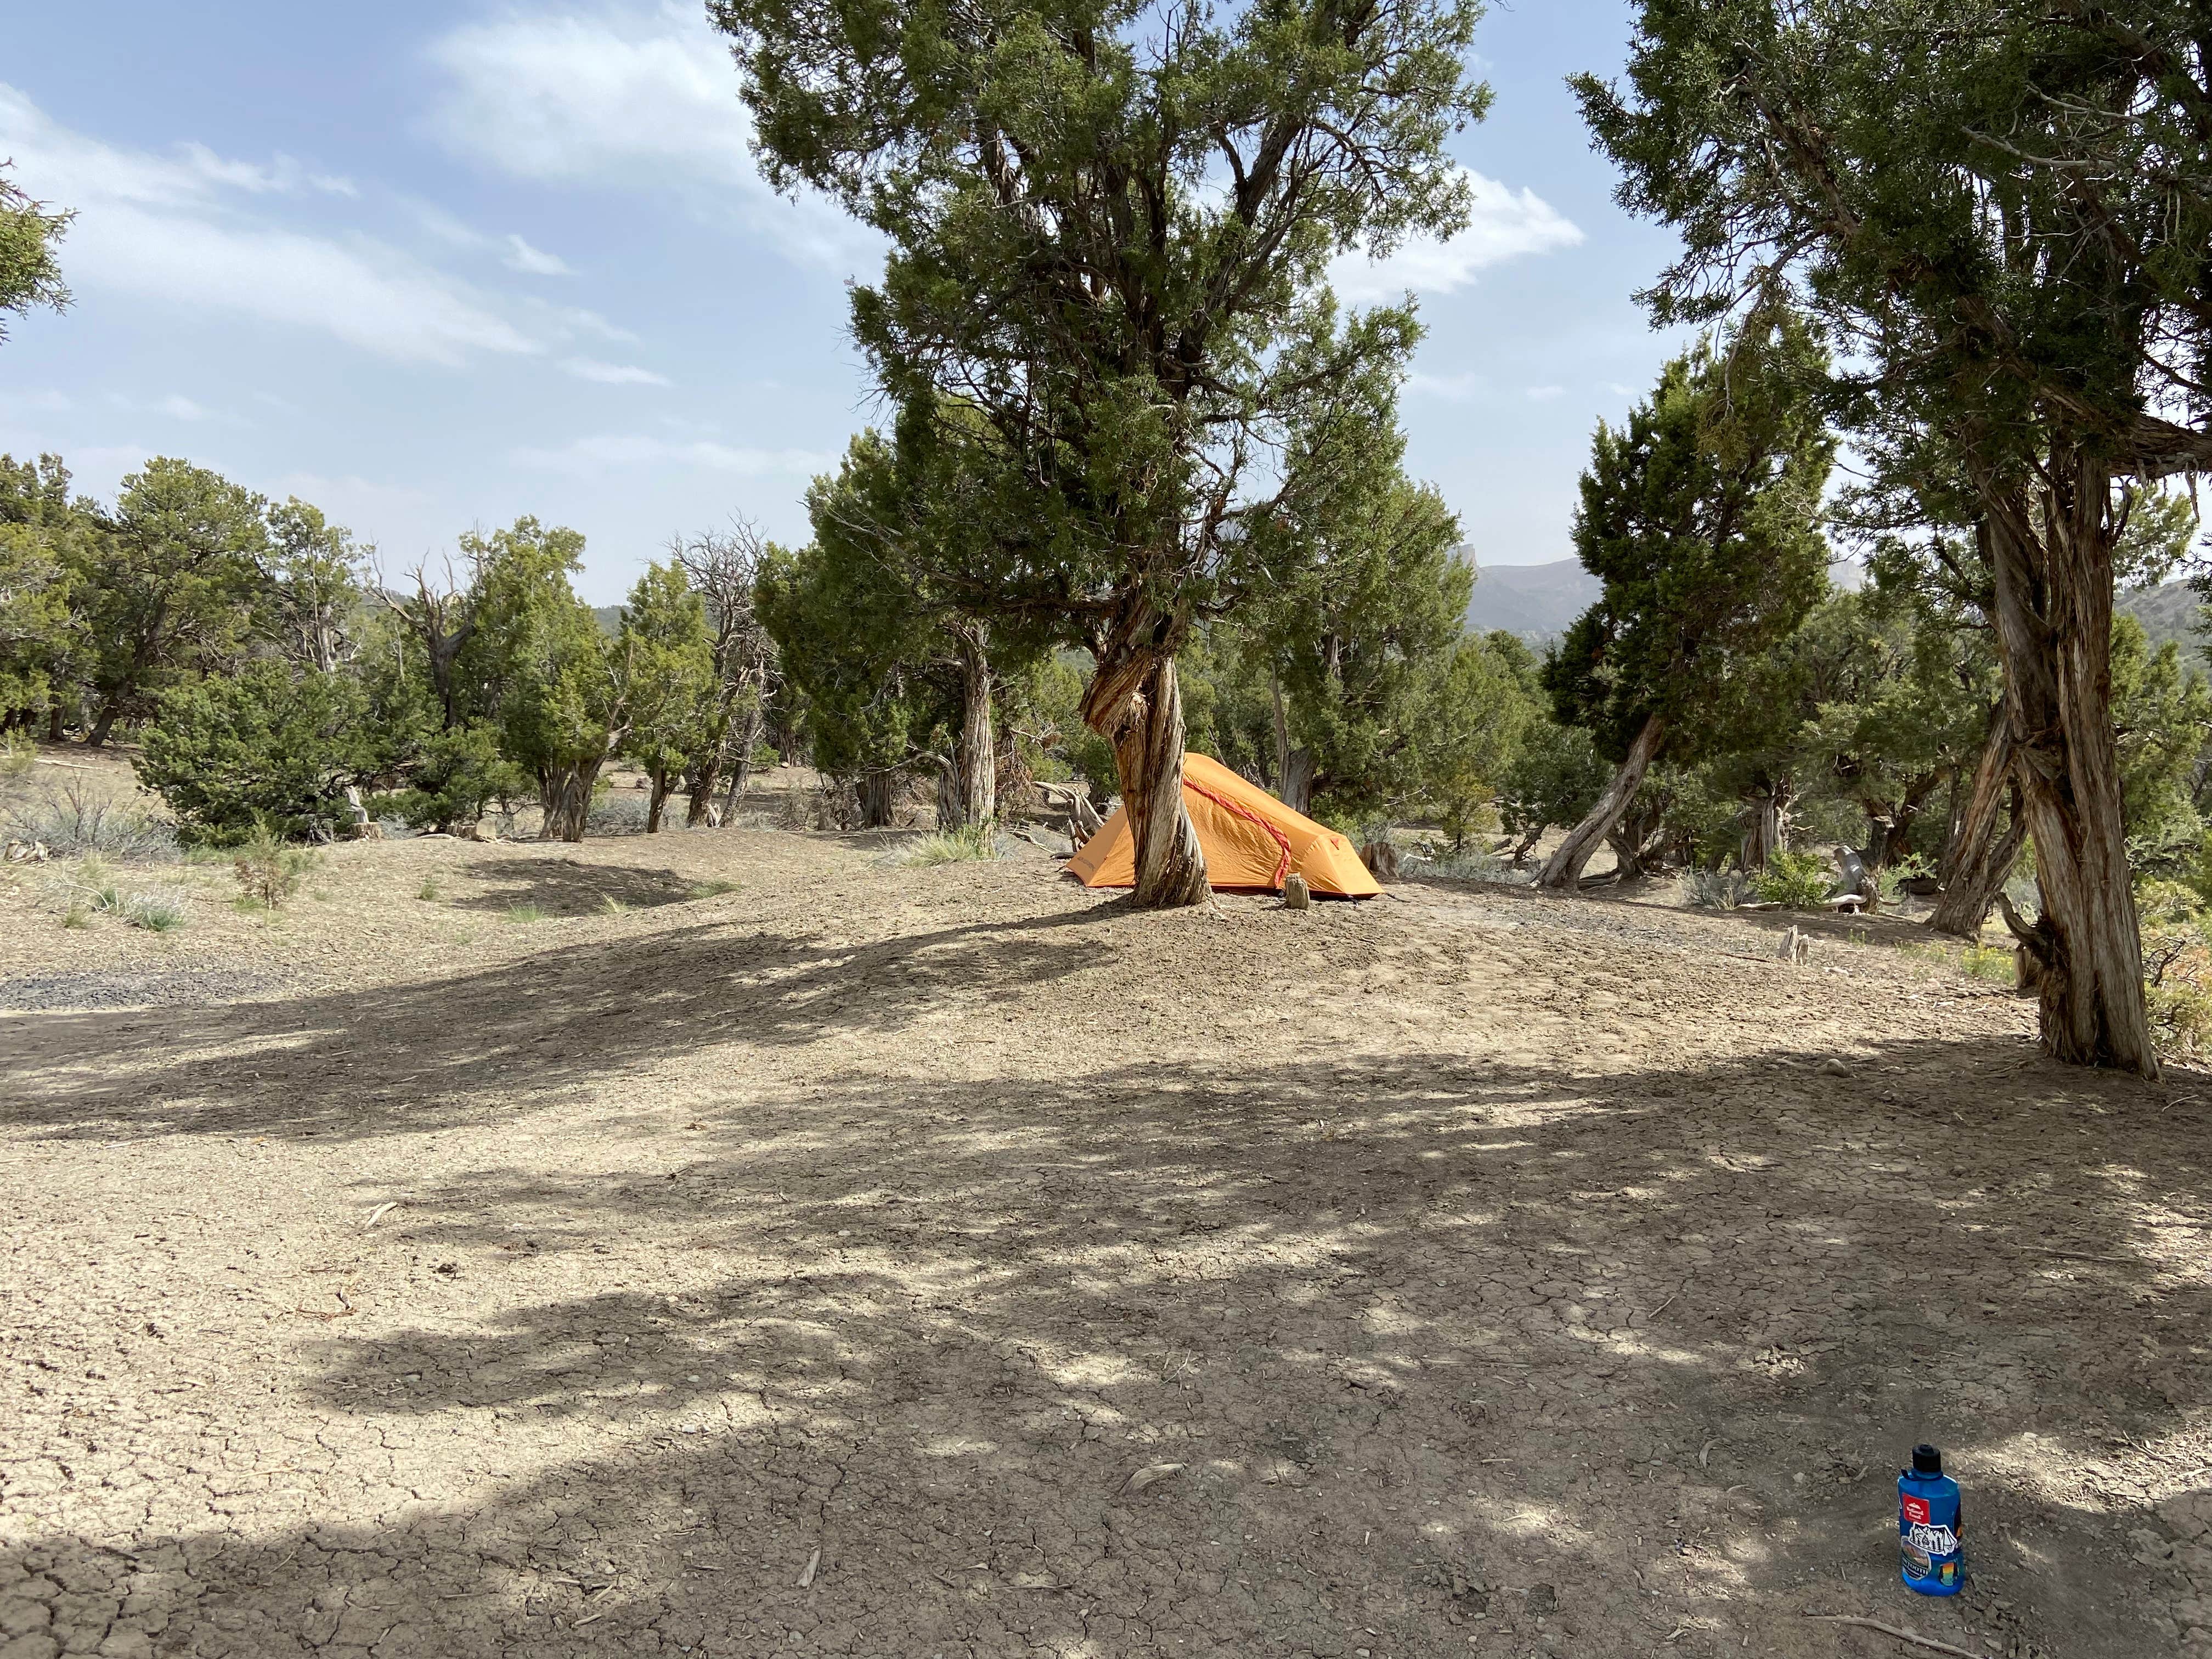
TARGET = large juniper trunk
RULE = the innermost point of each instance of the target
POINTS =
(977, 760)
(1298, 779)
(2053, 570)
(1133, 702)
(1563, 869)
(565, 792)
(700, 780)
(877, 794)
(1766, 826)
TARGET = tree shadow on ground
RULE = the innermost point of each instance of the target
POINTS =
(1305, 1358)
(570, 887)
(524, 1034)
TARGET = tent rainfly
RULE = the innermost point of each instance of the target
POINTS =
(1252, 840)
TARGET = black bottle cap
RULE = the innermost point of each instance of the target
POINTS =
(1926, 1460)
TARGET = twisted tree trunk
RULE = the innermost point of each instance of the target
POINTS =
(1135, 704)
(2053, 564)
(565, 792)
(1978, 860)
(977, 757)
(741, 759)
(700, 780)
(1563, 869)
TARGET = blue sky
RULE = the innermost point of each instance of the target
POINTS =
(432, 266)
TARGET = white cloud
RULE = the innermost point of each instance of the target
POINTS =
(611, 450)
(1449, 388)
(599, 373)
(1503, 224)
(166, 229)
(534, 262)
(626, 97)
(176, 406)
(284, 175)
(1543, 394)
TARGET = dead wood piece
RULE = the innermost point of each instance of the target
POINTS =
(1380, 858)
(1297, 896)
(1928, 1642)
(1796, 946)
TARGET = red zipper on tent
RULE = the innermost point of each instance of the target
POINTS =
(1282, 863)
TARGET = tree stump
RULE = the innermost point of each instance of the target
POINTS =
(1297, 896)
(1796, 946)
(1380, 858)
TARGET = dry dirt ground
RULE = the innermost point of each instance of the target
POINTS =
(877, 1261)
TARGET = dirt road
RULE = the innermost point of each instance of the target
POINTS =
(874, 1261)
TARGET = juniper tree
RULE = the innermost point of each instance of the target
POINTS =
(2002, 209)
(1108, 235)
(1700, 518)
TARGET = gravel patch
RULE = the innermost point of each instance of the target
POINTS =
(141, 987)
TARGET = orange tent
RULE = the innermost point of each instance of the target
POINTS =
(1251, 840)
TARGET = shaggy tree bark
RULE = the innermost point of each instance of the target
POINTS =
(741, 760)
(700, 780)
(658, 800)
(1135, 704)
(1976, 860)
(977, 756)
(565, 792)
(1563, 869)
(1766, 826)
(877, 794)
(2053, 561)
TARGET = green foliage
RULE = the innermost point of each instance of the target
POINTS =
(164, 592)
(1699, 516)
(157, 913)
(30, 275)
(453, 777)
(2163, 714)
(1796, 881)
(1145, 353)
(269, 869)
(1553, 782)
(267, 745)
(665, 662)
(40, 530)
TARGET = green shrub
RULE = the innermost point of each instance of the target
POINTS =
(268, 870)
(1892, 880)
(456, 775)
(157, 913)
(527, 913)
(1796, 881)
(263, 747)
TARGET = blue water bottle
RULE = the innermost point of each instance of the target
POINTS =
(1929, 1526)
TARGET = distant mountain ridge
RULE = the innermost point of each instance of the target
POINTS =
(1536, 601)
(2167, 612)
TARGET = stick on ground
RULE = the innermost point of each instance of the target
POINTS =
(1928, 1642)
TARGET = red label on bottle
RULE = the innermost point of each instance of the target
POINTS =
(1915, 1510)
